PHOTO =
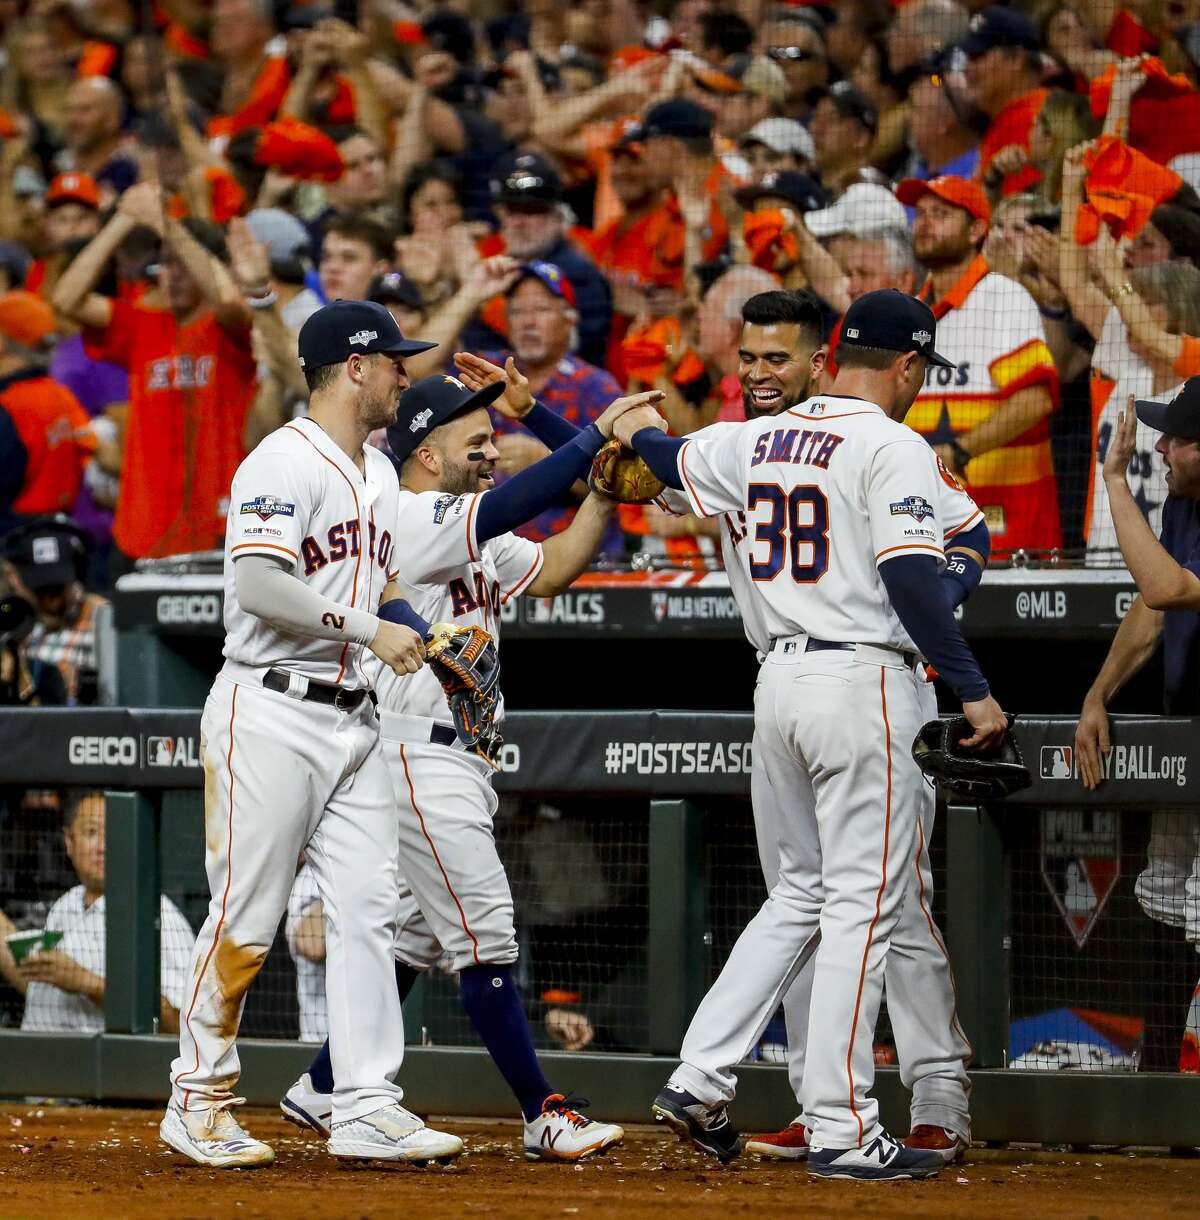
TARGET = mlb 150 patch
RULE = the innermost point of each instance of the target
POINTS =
(916, 507)
(267, 507)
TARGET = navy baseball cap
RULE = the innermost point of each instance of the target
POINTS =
(798, 189)
(338, 330)
(894, 321)
(851, 103)
(528, 178)
(1179, 417)
(548, 274)
(999, 27)
(429, 403)
(677, 116)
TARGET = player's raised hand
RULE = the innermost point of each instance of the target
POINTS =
(475, 373)
(624, 406)
(399, 647)
(989, 722)
(1092, 739)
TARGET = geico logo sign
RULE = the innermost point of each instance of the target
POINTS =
(510, 757)
(1042, 603)
(568, 608)
(189, 608)
(102, 751)
(1123, 602)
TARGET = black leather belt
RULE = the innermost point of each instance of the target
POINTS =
(318, 692)
(442, 735)
(815, 645)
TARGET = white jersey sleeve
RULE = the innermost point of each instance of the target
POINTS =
(903, 501)
(518, 561)
(956, 510)
(438, 532)
(712, 470)
(271, 502)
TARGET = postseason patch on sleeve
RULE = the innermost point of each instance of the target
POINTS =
(916, 507)
(443, 504)
(266, 507)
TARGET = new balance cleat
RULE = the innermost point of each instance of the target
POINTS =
(790, 1144)
(562, 1133)
(213, 1137)
(305, 1107)
(707, 1127)
(882, 1159)
(392, 1134)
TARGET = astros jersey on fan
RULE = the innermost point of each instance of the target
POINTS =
(808, 482)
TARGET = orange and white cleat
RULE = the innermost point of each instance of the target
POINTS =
(790, 1144)
(562, 1133)
(946, 1144)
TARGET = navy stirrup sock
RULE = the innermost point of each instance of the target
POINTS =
(320, 1071)
(493, 1003)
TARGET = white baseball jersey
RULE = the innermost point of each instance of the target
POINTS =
(50, 1008)
(955, 506)
(300, 499)
(446, 577)
(816, 498)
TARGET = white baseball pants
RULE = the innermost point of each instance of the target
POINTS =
(283, 776)
(454, 893)
(932, 1049)
(832, 737)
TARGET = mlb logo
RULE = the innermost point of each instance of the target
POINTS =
(658, 606)
(159, 751)
(1057, 762)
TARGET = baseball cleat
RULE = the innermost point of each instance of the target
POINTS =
(213, 1137)
(562, 1133)
(882, 1160)
(708, 1127)
(392, 1134)
(945, 1143)
(790, 1144)
(305, 1107)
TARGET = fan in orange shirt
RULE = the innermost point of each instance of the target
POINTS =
(191, 378)
(1004, 74)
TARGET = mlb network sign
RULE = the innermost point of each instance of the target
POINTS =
(1121, 762)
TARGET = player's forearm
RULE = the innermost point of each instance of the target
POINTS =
(966, 558)
(268, 591)
(1132, 646)
(566, 555)
(536, 488)
(661, 453)
(86, 268)
(1010, 420)
(548, 427)
(1162, 582)
(929, 620)
(397, 610)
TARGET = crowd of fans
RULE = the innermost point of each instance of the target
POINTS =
(595, 190)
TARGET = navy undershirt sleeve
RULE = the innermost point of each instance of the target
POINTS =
(921, 606)
(661, 453)
(551, 429)
(399, 611)
(962, 573)
(536, 488)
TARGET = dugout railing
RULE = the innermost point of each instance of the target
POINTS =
(681, 766)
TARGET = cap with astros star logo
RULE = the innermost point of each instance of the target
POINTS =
(429, 403)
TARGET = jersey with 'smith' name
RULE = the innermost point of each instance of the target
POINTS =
(299, 499)
(817, 497)
(448, 577)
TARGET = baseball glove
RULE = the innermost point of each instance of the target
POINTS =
(468, 667)
(621, 475)
(971, 774)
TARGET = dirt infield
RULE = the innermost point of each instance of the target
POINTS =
(86, 1162)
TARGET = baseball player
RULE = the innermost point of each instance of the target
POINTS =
(780, 357)
(292, 757)
(459, 562)
(843, 520)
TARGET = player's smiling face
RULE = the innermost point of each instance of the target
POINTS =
(468, 453)
(776, 366)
